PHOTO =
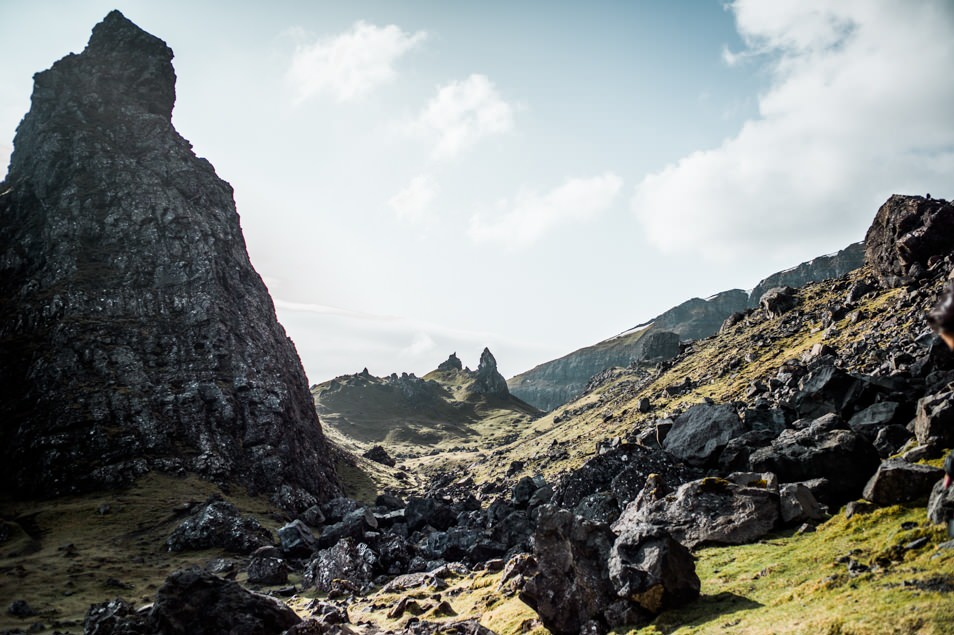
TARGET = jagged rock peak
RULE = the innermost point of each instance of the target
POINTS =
(489, 381)
(452, 363)
(134, 333)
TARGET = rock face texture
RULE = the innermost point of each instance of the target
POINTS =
(489, 381)
(909, 236)
(821, 268)
(134, 332)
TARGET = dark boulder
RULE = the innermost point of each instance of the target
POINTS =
(877, 416)
(267, 570)
(336, 509)
(21, 609)
(658, 346)
(700, 433)
(890, 439)
(827, 389)
(194, 602)
(218, 524)
(570, 586)
(844, 458)
(650, 568)
(709, 511)
(778, 301)
(297, 540)
(898, 481)
(906, 233)
(421, 512)
(735, 456)
(621, 472)
(379, 455)
(353, 525)
(346, 560)
(114, 617)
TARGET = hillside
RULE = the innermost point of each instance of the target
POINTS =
(551, 384)
(450, 408)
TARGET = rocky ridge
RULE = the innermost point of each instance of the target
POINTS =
(134, 333)
(557, 382)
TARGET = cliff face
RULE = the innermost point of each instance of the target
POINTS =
(821, 268)
(552, 384)
(134, 332)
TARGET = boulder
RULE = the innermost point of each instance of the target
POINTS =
(218, 524)
(877, 416)
(659, 346)
(709, 511)
(778, 301)
(934, 420)
(570, 586)
(379, 455)
(735, 455)
(827, 389)
(907, 231)
(267, 570)
(194, 602)
(890, 439)
(621, 472)
(297, 540)
(347, 560)
(700, 433)
(898, 481)
(353, 525)
(420, 512)
(797, 504)
(844, 458)
(941, 503)
(650, 568)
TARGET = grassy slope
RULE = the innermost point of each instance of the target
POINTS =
(611, 410)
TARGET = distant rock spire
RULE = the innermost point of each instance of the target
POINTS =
(452, 363)
(489, 380)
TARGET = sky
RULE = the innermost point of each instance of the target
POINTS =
(420, 178)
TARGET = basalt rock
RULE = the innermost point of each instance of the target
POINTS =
(699, 434)
(452, 363)
(489, 381)
(134, 332)
(907, 233)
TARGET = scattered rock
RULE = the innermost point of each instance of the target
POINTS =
(267, 571)
(218, 524)
(709, 511)
(379, 455)
(346, 560)
(898, 481)
(21, 609)
(650, 568)
(700, 433)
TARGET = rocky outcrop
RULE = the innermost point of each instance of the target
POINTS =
(134, 332)
(197, 603)
(910, 236)
(451, 363)
(489, 381)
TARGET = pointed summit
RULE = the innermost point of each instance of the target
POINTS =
(452, 363)
(489, 380)
(134, 333)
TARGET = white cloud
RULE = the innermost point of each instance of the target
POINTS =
(530, 215)
(423, 343)
(414, 201)
(464, 112)
(859, 107)
(350, 65)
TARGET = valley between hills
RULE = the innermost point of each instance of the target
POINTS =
(757, 462)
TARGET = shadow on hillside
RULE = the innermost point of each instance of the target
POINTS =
(704, 610)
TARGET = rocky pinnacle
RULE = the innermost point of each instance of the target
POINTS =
(134, 333)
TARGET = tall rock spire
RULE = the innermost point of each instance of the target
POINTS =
(134, 332)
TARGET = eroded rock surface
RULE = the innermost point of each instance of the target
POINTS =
(134, 332)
